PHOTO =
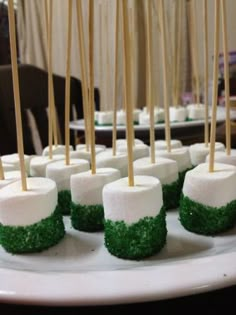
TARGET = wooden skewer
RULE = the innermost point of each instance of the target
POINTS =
(83, 63)
(91, 85)
(101, 57)
(193, 49)
(127, 81)
(149, 81)
(108, 68)
(226, 75)
(51, 98)
(15, 77)
(215, 86)
(179, 51)
(132, 62)
(67, 91)
(49, 38)
(1, 170)
(114, 131)
(175, 52)
(165, 78)
(206, 66)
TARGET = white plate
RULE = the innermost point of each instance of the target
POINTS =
(80, 271)
(79, 124)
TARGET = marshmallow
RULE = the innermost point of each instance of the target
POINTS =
(144, 117)
(98, 147)
(180, 155)
(9, 167)
(82, 153)
(178, 113)
(222, 157)
(59, 149)
(14, 160)
(104, 118)
(196, 111)
(132, 203)
(199, 151)
(86, 188)
(60, 172)
(165, 170)
(139, 150)
(22, 208)
(162, 145)
(38, 164)
(124, 142)
(119, 161)
(10, 177)
(121, 116)
(96, 113)
(214, 189)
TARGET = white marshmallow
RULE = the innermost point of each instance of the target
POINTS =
(139, 150)
(165, 170)
(162, 144)
(10, 177)
(38, 164)
(178, 113)
(222, 157)
(82, 153)
(14, 160)
(61, 173)
(9, 167)
(59, 149)
(180, 155)
(199, 151)
(144, 117)
(86, 188)
(214, 189)
(21, 208)
(132, 203)
(196, 111)
(105, 118)
(124, 142)
(121, 116)
(119, 161)
(96, 116)
(98, 147)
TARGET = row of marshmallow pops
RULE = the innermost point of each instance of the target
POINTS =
(127, 115)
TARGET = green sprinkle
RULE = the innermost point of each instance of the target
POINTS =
(171, 195)
(200, 219)
(64, 201)
(33, 238)
(138, 240)
(87, 218)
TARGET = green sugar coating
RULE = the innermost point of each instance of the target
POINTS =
(64, 201)
(206, 220)
(33, 238)
(87, 218)
(182, 176)
(138, 240)
(171, 195)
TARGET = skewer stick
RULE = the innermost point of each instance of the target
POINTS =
(206, 66)
(51, 97)
(193, 48)
(175, 52)
(1, 170)
(178, 51)
(16, 90)
(165, 78)
(84, 81)
(226, 75)
(67, 91)
(127, 81)
(215, 86)
(108, 79)
(114, 131)
(149, 81)
(91, 85)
